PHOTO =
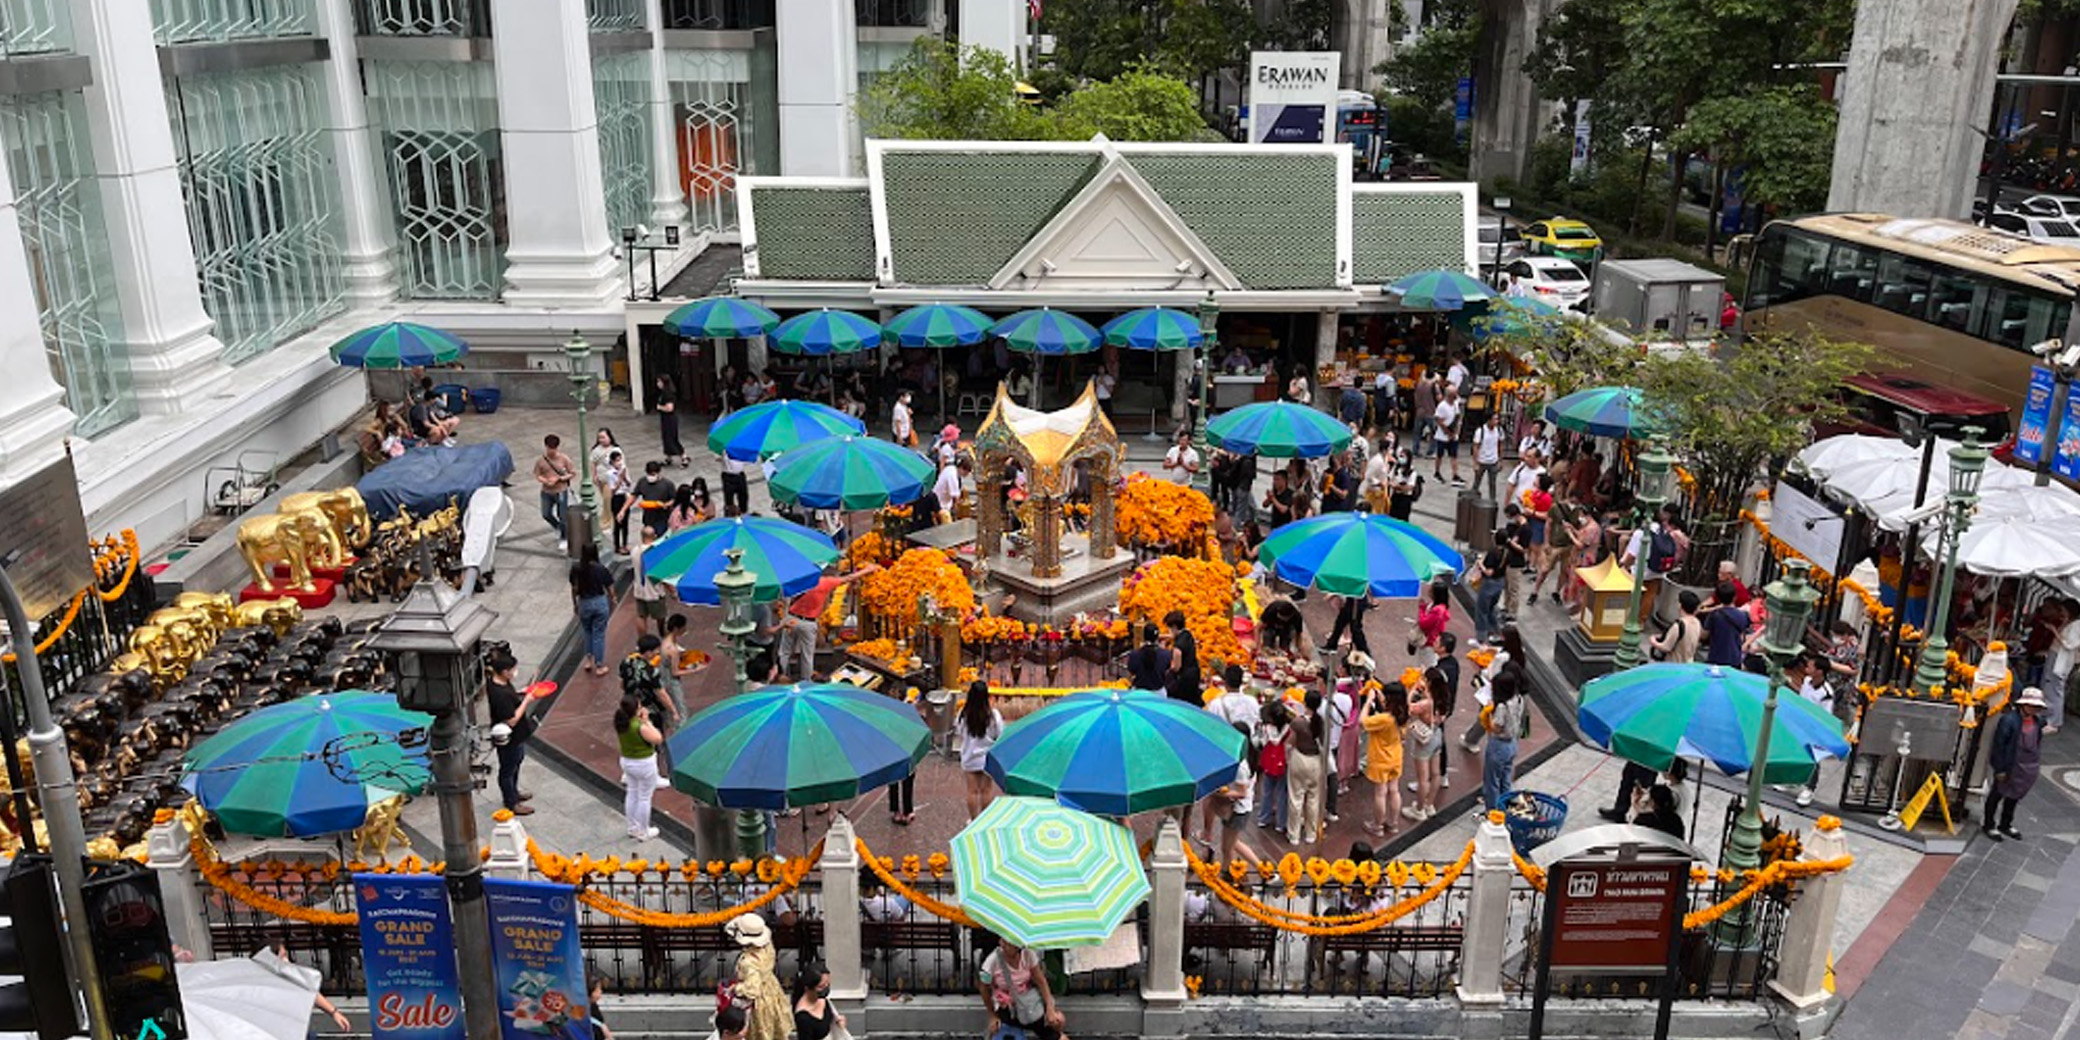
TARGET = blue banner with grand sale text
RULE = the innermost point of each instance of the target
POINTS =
(2036, 417)
(541, 971)
(2066, 460)
(408, 954)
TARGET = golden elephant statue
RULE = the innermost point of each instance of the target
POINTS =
(198, 628)
(290, 538)
(345, 514)
(215, 605)
(281, 615)
(162, 657)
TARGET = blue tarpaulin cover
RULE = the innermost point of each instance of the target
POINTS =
(424, 478)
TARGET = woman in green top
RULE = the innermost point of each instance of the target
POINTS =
(639, 779)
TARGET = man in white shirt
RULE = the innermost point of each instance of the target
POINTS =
(947, 489)
(1379, 480)
(1487, 452)
(1540, 440)
(2065, 652)
(1182, 460)
(1525, 476)
(1455, 376)
(1446, 423)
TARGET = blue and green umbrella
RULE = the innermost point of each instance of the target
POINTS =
(1278, 429)
(1045, 876)
(398, 344)
(771, 427)
(849, 472)
(310, 766)
(1358, 554)
(720, 317)
(787, 558)
(1657, 713)
(783, 746)
(1441, 290)
(1154, 328)
(1508, 317)
(1116, 753)
(1046, 331)
(820, 333)
(1603, 411)
(939, 325)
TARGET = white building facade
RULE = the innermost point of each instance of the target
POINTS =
(209, 193)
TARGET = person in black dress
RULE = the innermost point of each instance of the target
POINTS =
(1184, 674)
(1404, 486)
(1350, 613)
(1280, 500)
(667, 405)
(1148, 667)
(814, 1016)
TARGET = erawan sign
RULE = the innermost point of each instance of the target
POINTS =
(1292, 96)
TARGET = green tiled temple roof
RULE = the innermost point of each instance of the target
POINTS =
(1399, 233)
(1270, 218)
(814, 234)
(954, 218)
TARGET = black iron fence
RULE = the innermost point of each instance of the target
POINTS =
(1236, 955)
(908, 950)
(1042, 662)
(99, 633)
(627, 957)
(237, 930)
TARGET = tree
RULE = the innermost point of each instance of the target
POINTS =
(1138, 105)
(1782, 140)
(1100, 39)
(944, 91)
(1429, 69)
(1303, 25)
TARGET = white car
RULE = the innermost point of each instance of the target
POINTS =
(2049, 230)
(1549, 279)
(2063, 206)
(1499, 243)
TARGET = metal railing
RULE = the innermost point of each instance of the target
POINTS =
(1233, 955)
(907, 950)
(34, 27)
(1070, 663)
(96, 637)
(633, 958)
(423, 17)
(237, 930)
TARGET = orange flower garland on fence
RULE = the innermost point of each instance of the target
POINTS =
(1312, 924)
(892, 594)
(1776, 873)
(1202, 590)
(1158, 512)
(944, 911)
(105, 564)
(781, 877)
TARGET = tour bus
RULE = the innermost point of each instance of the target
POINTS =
(1361, 124)
(1951, 304)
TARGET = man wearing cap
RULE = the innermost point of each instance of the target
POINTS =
(2017, 740)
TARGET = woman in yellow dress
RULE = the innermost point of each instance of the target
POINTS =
(1384, 713)
(766, 1004)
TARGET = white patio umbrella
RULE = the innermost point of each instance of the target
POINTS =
(2006, 493)
(1822, 457)
(2015, 546)
(240, 998)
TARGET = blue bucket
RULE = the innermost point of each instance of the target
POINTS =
(485, 398)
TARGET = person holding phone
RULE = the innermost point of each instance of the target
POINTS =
(638, 738)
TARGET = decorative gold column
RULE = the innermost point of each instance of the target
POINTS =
(989, 509)
(1047, 540)
(1104, 539)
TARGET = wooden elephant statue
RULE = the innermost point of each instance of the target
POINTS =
(294, 539)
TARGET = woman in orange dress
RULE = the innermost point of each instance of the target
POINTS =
(1384, 713)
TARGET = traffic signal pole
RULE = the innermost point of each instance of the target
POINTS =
(59, 797)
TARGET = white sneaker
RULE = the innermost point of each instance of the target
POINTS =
(644, 835)
(663, 783)
(1412, 812)
(1445, 780)
(1411, 785)
(562, 546)
(1805, 796)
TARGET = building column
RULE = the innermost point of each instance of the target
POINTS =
(1506, 105)
(999, 25)
(168, 855)
(33, 418)
(176, 360)
(1326, 325)
(1913, 103)
(842, 949)
(559, 253)
(668, 194)
(1162, 989)
(819, 49)
(368, 241)
(1486, 940)
(1367, 40)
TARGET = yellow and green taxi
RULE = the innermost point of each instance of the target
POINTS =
(1567, 239)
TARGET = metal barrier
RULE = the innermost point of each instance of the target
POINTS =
(1234, 955)
(907, 950)
(95, 637)
(237, 930)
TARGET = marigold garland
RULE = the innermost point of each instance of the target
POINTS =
(1202, 590)
(880, 867)
(218, 874)
(1775, 873)
(1152, 512)
(104, 565)
(1311, 924)
(892, 593)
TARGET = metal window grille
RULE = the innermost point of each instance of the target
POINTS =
(33, 27)
(195, 21)
(718, 14)
(909, 14)
(439, 132)
(716, 129)
(621, 100)
(59, 209)
(424, 17)
(263, 204)
(614, 15)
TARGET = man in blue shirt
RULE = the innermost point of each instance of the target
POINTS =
(1725, 628)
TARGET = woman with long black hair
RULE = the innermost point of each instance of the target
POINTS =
(981, 725)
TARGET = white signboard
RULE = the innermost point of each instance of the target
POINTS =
(1807, 525)
(1578, 161)
(1292, 96)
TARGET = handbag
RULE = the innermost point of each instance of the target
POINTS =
(1026, 1005)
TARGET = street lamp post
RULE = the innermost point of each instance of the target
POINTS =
(1209, 329)
(433, 638)
(715, 829)
(578, 353)
(1656, 471)
(1967, 465)
(1791, 600)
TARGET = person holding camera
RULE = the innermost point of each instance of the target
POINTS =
(509, 710)
(638, 738)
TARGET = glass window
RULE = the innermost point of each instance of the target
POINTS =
(220, 21)
(614, 15)
(718, 14)
(58, 205)
(908, 14)
(621, 100)
(1575, 233)
(425, 17)
(2014, 318)
(1903, 285)
(718, 131)
(1789, 265)
(1852, 272)
(263, 202)
(1952, 298)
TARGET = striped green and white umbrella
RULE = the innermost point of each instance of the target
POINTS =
(309, 766)
(849, 473)
(786, 558)
(1045, 876)
(783, 746)
(939, 325)
(720, 317)
(821, 332)
(1045, 330)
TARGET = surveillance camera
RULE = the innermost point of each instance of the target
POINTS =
(2068, 357)
(1184, 267)
(642, 231)
(1047, 265)
(1925, 513)
(2046, 348)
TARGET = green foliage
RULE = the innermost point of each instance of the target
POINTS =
(1783, 135)
(1567, 354)
(1138, 105)
(1578, 49)
(1734, 412)
(943, 92)
(1100, 39)
(1425, 129)
(1429, 69)
(1302, 26)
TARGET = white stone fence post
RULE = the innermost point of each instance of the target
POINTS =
(168, 856)
(1808, 936)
